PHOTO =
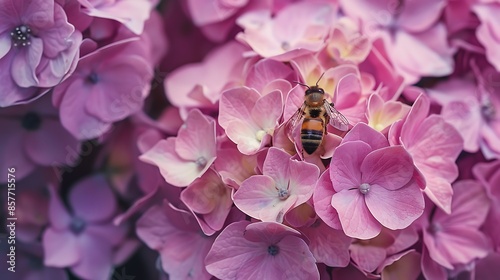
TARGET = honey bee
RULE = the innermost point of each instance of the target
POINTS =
(314, 115)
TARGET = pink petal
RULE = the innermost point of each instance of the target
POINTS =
(405, 265)
(96, 257)
(92, 199)
(431, 269)
(197, 138)
(60, 248)
(25, 62)
(267, 110)
(329, 246)
(395, 209)
(266, 71)
(206, 12)
(237, 103)
(419, 16)
(277, 166)
(269, 232)
(389, 167)
(13, 151)
(356, 219)
(175, 170)
(258, 198)
(366, 257)
(345, 166)
(58, 214)
(322, 198)
(303, 178)
(44, 146)
(75, 118)
(365, 133)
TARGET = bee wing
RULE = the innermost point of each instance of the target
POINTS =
(337, 120)
(294, 121)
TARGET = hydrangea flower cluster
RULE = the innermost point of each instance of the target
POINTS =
(155, 135)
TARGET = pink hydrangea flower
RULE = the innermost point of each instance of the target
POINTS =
(33, 136)
(131, 13)
(346, 44)
(235, 167)
(488, 175)
(488, 32)
(434, 145)
(452, 239)
(473, 110)
(373, 183)
(38, 49)
(415, 41)
(200, 84)
(188, 156)
(282, 39)
(176, 235)
(108, 85)
(84, 238)
(263, 250)
(248, 118)
(210, 201)
(382, 114)
(284, 184)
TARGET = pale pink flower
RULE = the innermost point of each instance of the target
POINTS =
(282, 39)
(38, 49)
(248, 118)
(200, 84)
(131, 13)
(472, 108)
(216, 18)
(262, 250)
(235, 167)
(210, 201)
(176, 236)
(488, 32)
(284, 185)
(374, 184)
(452, 239)
(415, 40)
(346, 44)
(84, 238)
(488, 174)
(108, 85)
(434, 145)
(188, 156)
(33, 136)
(382, 114)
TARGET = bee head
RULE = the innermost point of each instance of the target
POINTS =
(314, 89)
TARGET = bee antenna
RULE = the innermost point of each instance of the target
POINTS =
(302, 84)
(320, 78)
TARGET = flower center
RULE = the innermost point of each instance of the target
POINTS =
(92, 78)
(21, 36)
(201, 162)
(364, 188)
(31, 121)
(77, 225)
(273, 250)
(283, 194)
(260, 135)
(488, 110)
(435, 228)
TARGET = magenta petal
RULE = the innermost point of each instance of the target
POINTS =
(431, 269)
(389, 167)
(418, 16)
(345, 166)
(92, 199)
(356, 219)
(368, 258)
(395, 209)
(60, 248)
(268, 110)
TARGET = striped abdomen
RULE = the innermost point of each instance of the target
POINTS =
(311, 134)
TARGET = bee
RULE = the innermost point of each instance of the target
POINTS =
(314, 115)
